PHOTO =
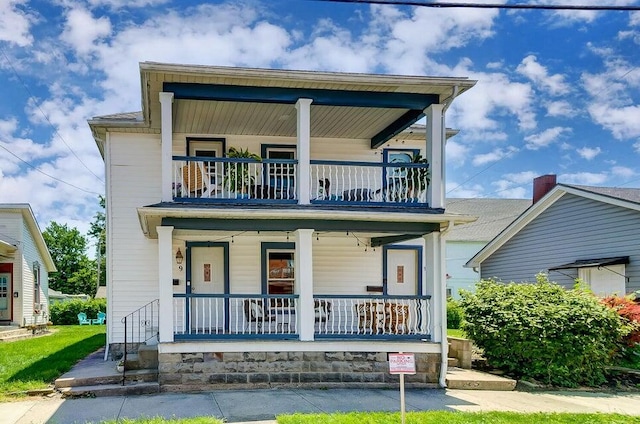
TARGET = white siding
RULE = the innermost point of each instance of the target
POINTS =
(134, 177)
(30, 254)
(458, 254)
(11, 232)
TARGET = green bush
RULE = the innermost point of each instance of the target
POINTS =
(66, 313)
(454, 314)
(541, 331)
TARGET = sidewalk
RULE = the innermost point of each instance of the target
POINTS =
(236, 406)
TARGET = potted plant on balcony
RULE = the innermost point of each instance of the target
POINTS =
(238, 175)
(417, 178)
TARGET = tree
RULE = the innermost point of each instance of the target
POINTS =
(99, 233)
(67, 247)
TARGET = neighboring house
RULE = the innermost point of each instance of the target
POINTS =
(570, 232)
(25, 264)
(464, 241)
(274, 216)
(59, 297)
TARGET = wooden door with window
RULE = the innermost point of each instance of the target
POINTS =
(208, 275)
(5, 296)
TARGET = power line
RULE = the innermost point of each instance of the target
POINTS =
(55, 131)
(489, 5)
(44, 173)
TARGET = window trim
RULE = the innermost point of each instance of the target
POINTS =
(36, 286)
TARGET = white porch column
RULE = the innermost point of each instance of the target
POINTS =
(303, 106)
(304, 283)
(166, 134)
(165, 291)
(435, 155)
(436, 281)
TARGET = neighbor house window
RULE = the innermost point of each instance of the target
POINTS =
(36, 285)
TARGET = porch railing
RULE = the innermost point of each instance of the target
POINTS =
(368, 182)
(140, 326)
(229, 315)
(366, 316)
(233, 178)
(264, 316)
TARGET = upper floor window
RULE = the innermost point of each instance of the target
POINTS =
(36, 285)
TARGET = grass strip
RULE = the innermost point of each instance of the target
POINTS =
(34, 363)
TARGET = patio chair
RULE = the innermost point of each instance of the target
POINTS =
(368, 318)
(254, 311)
(82, 319)
(395, 318)
(322, 310)
(100, 319)
(195, 182)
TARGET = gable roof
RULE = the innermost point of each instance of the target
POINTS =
(493, 216)
(27, 214)
(624, 197)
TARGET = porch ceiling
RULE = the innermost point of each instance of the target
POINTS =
(384, 224)
(6, 248)
(220, 100)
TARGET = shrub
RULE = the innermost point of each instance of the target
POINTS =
(541, 331)
(66, 313)
(454, 314)
(630, 313)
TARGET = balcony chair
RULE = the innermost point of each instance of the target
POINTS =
(100, 319)
(82, 319)
(322, 310)
(195, 181)
(370, 318)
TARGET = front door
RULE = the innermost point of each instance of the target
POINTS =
(208, 275)
(5, 296)
(402, 271)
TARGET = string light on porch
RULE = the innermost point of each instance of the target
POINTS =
(359, 241)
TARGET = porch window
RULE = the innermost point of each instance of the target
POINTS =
(280, 272)
(36, 286)
(280, 176)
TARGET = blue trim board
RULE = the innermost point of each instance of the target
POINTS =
(385, 251)
(396, 127)
(264, 246)
(265, 146)
(321, 97)
(417, 228)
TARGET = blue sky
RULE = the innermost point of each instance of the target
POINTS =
(558, 92)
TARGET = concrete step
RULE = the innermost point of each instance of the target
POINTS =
(111, 390)
(453, 362)
(458, 378)
(148, 356)
(17, 334)
(132, 376)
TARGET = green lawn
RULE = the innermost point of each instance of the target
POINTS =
(435, 417)
(455, 333)
(35, 363)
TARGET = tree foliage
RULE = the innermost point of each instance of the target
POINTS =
(66, 313)
(98, 232)
(76, 272)
(542, 331)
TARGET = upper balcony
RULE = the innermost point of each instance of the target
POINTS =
(276, 181)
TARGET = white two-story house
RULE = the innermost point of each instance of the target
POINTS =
(279, 227)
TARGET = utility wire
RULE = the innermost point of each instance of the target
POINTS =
(44, 173)
(55, 131)
(488, 5)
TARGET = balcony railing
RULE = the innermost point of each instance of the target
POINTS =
(369, 182)
(352, 183)
(229, 316)
(233, 178)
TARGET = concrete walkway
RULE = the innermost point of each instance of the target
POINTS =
(236, 406)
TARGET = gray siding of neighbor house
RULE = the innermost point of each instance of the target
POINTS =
(572, 228)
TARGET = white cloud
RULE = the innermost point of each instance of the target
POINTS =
(583, 178)
(456, 153)
(545, 138)
(634, 18)
(15, 24)
(623, 122)
(623, 172)
(588, 153)
(514, 185)
(117, 4)
(569, 17)
(82, 30)
(560, 108)
(553, 84)
(493, 156)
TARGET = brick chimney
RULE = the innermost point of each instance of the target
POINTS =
(542, 185)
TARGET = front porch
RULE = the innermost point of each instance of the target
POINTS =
(263, 317)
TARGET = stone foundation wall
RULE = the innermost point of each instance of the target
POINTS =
(206, 371)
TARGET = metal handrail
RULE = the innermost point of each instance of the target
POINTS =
(144, 317)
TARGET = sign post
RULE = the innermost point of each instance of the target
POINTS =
(402, 363)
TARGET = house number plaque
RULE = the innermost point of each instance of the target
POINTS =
(400, 274)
